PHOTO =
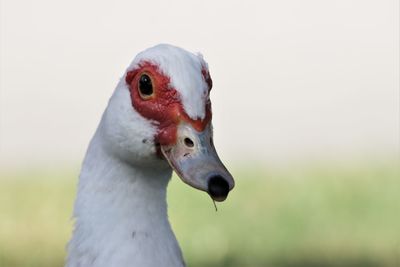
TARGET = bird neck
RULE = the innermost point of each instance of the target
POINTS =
(121, 214)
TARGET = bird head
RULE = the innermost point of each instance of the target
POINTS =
(161, 110)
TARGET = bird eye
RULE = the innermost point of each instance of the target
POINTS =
(145, 86)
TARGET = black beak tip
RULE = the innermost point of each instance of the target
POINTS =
(218, 188)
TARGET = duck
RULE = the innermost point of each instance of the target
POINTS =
(158, 120)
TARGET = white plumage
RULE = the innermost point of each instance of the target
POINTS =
(120, 210)
(183, 68)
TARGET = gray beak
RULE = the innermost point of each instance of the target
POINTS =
(196, 161)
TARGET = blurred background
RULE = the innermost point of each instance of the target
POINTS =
(306, 115)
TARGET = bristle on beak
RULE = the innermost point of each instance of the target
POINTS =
(195, 160)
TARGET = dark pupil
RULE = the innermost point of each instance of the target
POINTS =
(145, 86)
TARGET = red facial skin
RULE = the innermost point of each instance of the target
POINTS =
(164, 106)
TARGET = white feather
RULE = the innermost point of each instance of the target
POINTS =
(120, 211)
(184, 69)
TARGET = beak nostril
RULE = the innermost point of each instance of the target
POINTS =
(188, 142)
(218, 188)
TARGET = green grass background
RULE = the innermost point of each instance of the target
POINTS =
(294, 217)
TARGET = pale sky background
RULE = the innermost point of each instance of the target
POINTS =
(293, 80)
